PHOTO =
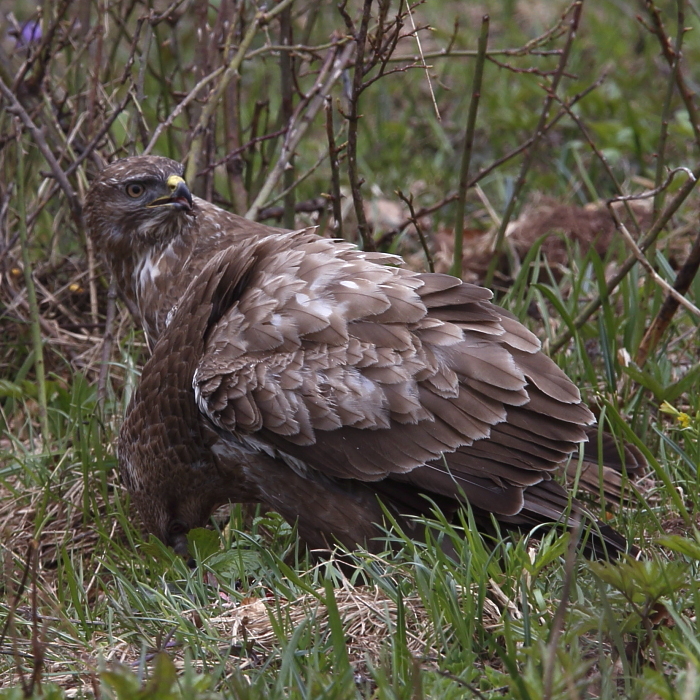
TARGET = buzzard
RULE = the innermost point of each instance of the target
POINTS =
(317, 379)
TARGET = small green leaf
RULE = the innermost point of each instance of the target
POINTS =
(682, 545)
(12, 390)
(641, 581)
(203, 543)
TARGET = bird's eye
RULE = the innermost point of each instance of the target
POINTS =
(177, 527)
(135, 189)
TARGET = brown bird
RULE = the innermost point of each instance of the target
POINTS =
(316, 379)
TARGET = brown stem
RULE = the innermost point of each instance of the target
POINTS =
(629, 263)
(287, 111)
(658, 326)
(468, 145)
(335, 171)
(657, 28)
(107, 340)
(529, 158)
(414, 220)
(353, 119)
(304, 114)
(38, 136)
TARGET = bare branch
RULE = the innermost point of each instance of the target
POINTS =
(16, 108)
(629, 263)
(304, 114)
(639, 255)
(353, 118)
(577, 8)
(468, 144)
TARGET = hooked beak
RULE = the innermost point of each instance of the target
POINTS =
(179, 196)
(179, 543)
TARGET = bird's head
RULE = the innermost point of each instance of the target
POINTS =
(172, 492)
(170, 516)
(138, 203)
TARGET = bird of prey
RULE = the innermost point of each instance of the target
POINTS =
(318, 380)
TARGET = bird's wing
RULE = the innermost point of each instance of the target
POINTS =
(335, 361)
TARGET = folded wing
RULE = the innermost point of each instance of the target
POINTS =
(334, 360)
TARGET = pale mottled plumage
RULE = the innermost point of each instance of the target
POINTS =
(307, 375)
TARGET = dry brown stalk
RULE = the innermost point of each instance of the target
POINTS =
(671, 304)
(577, 8)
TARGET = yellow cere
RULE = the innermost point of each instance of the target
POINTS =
(174, 181)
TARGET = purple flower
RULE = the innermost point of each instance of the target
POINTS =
(29, 34)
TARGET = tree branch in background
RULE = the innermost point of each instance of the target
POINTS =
(194, 155)
(191, 95)
(468, 145)
(287, 111)
(353, 118)
(448, 199)
(629, 263)
(687, 95)
(414, 220)
(304, 114)
(101, 132)
(641, 259)
(335, 171)
(16, 108)
(577, 8)
(684, 279)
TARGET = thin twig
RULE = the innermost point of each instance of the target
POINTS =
(41, 55)
(335, 170)
(196, 149)
(468, 146)
(287, 113)
(298, 181)
(528, 49)
(560, 614)
(448, 199)
(312, 51)
(107, 340)
(686, 93)
(31, 549)
(468, 686)
(38, 647)
(472, 53)
(241, 149)
(425, 66)
(600, 155)
(92, 278)
(34, 315)
(87, 150)
(353, 120)
(668, 309)
(317, 204)
(529, 158)
(414, 220)
(16, 108)
(304, 114)
(191, 95)
(629, 263)
(680, 299)
(666, 113)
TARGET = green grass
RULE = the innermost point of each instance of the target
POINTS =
(89, 608)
